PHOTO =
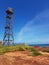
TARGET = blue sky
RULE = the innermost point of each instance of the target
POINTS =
(30, 20)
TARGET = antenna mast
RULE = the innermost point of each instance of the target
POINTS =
(8, 35)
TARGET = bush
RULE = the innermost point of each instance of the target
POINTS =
(46, 50)
(35, 52)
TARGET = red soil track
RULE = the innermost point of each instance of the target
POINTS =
(23, 58)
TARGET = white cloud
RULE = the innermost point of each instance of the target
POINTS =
(35, 30)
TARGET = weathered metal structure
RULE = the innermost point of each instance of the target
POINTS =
(8, 35)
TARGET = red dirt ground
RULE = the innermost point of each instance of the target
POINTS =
(23, 58)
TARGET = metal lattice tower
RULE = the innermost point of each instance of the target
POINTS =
(8, 35)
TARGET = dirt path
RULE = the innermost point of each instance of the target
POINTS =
(24, 55)
(44, 53)
(23, 58)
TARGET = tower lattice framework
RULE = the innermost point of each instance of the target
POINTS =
(8, 35)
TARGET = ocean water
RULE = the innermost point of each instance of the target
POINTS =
(41, 45)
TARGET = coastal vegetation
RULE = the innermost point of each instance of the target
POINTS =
(5, 49)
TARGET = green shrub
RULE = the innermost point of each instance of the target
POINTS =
(46, 50)
(35, 52)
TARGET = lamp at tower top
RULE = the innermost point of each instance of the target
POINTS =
(9, 11)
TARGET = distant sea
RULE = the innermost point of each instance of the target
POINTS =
(41, 45)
